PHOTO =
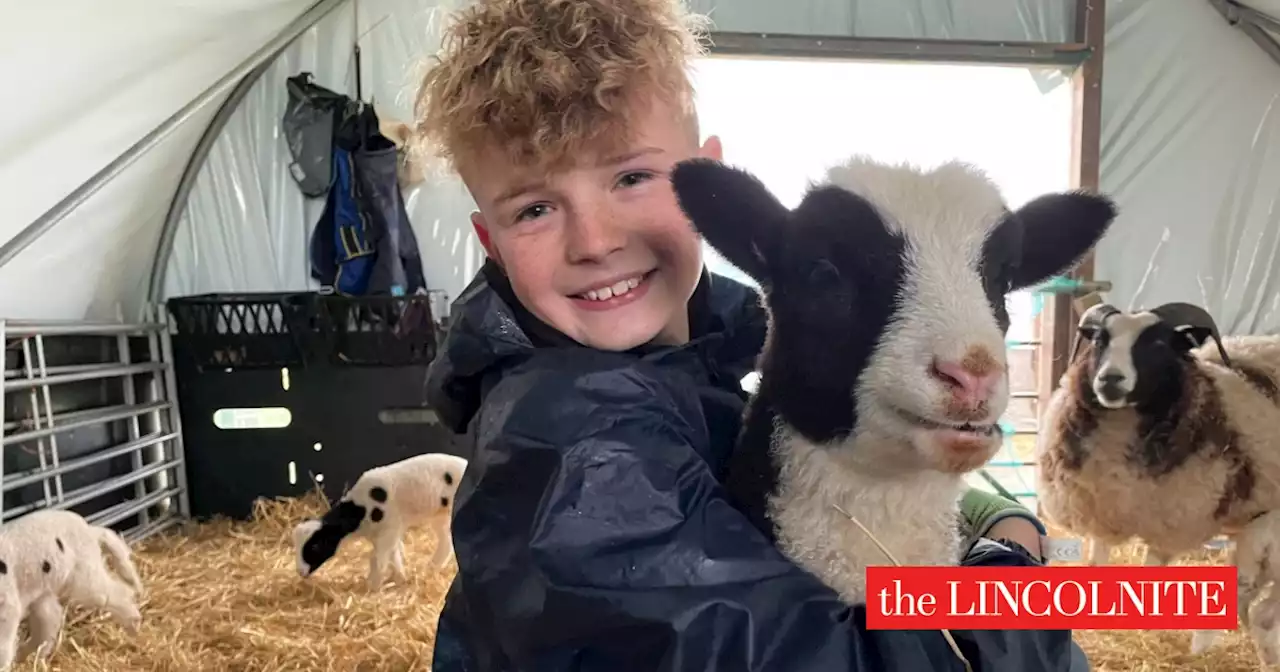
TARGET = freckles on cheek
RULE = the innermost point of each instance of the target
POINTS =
(530, 265)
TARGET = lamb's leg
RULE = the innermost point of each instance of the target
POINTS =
(1203, 640)
(1264, 629)
(444, 541)
(1099, 552)
(375, 572)
(397, 563)
(1249, 582)
(1155, 558)
(384, 550)
(44, 621)
(91, 585)
(10, 619)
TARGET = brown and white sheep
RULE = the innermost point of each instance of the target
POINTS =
(1153, 434)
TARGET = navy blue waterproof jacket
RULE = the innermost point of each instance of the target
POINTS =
(591, 529)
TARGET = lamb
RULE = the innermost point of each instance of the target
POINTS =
(1257, 559)
(884, 371)
(50, 555)
(384, 503)
(1155, 434)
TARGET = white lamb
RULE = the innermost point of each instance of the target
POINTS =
(383, 504)
(48, 556)
(885, 370)
(1257, 559)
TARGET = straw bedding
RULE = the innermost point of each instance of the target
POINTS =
(1165, 651)
(226, 596)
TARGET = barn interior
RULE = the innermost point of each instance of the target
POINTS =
(173, 370)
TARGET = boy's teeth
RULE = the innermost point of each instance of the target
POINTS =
(617, 289)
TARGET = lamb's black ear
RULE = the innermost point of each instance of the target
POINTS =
(1057, 231)
(733, 211)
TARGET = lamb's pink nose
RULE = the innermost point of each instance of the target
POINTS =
(967, 385)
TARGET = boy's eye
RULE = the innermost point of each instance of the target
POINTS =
(533, 212)
(632, 179)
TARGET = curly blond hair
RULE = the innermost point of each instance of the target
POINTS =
(547, 79)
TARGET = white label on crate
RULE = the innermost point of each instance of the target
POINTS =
(1062, 550)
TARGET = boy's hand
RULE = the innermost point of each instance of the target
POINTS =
(1019, 529)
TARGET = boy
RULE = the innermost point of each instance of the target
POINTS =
(596, 367)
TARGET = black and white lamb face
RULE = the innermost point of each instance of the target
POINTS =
(886, 290)
(1139, 358)
(317, 541)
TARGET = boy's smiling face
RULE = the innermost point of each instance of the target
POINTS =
(599, 248)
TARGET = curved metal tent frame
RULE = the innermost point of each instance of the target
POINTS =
(1258, 25)
(259, 63)
(242, 78)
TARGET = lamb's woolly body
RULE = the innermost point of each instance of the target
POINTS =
(1257, 559)
(914, 515)
(1090, 484)
(414, 488)
(51, 556)
(384, 503)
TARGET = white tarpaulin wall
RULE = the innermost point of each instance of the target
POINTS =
(1189, 144)
(1191, 151)
(247, 225)
(84, 80)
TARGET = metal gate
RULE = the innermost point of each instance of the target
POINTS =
(91, 424)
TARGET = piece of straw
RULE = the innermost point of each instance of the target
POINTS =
(946, 634)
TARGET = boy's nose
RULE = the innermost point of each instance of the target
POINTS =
(594, 238)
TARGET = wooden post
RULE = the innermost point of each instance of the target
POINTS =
(1057, 324)
(1057, 330)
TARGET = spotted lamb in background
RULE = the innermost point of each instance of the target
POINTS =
(885, 371)
(384, 503)
(48, 556)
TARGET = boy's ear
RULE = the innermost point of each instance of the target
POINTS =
(482, 233)
(1057, 230)
(734, 212)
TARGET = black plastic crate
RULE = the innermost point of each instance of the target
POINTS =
(248, 331)
(379, 330)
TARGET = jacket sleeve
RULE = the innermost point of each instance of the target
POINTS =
(591, 535)
(981, 510)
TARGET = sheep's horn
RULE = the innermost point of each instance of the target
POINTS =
(1096, 315)
(1186, 315)
(1091, 319)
